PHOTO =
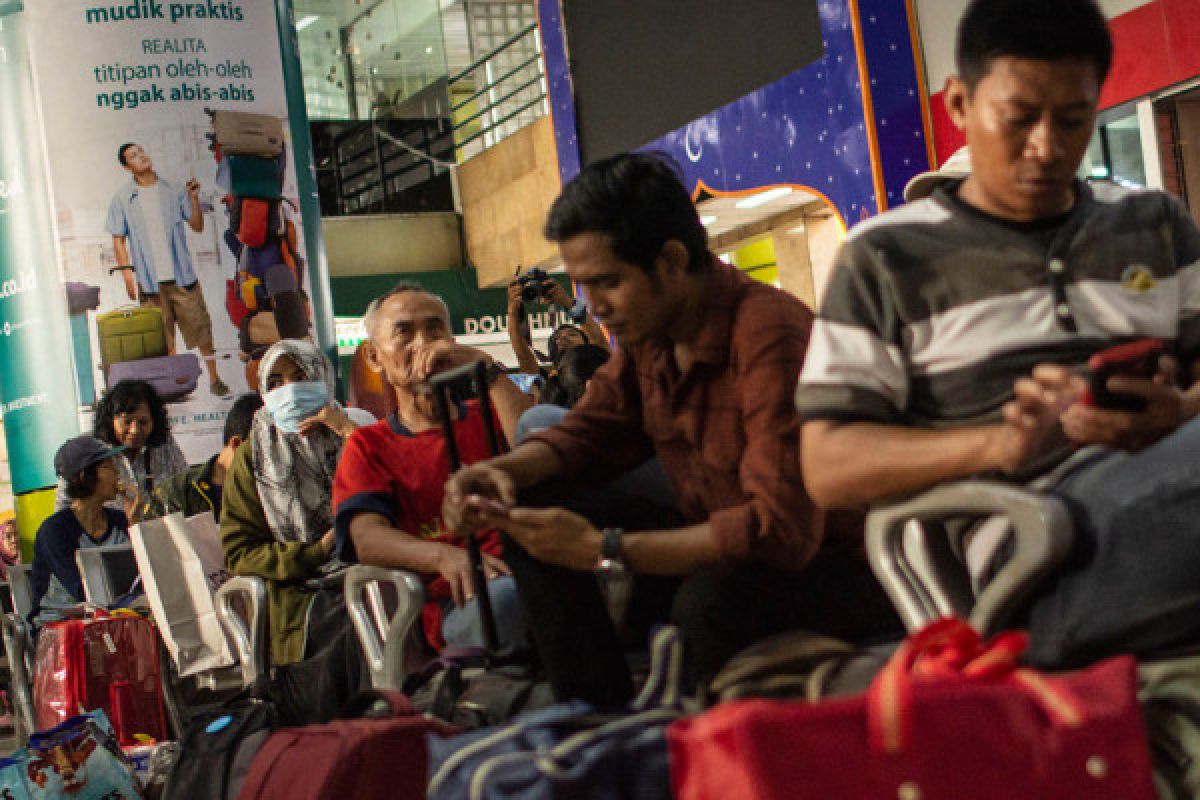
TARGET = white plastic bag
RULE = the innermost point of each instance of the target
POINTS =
(182, 566)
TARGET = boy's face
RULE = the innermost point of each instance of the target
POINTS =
(1028, 124)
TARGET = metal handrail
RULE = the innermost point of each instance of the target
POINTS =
(497, 102)
(523, 65)
(516, 37)
(490, 125)
(499, 122)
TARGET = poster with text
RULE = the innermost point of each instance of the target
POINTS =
(172, 179)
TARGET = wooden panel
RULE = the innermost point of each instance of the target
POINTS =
(506, 192)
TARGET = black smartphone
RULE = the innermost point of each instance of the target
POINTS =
(1135, 360)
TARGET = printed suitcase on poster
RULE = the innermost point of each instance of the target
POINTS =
(173, 377)
(131, 333)
(110, 663)
(242, 133)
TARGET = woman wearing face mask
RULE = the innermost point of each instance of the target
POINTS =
(132, 415)
(277, 519)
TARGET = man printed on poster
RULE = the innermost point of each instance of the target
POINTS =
(146, 219)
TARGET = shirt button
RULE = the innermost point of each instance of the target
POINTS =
(1057, 266)
(1063, 310)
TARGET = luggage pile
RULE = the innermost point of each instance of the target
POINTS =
(251, 162)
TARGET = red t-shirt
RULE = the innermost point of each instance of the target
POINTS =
(385, 469)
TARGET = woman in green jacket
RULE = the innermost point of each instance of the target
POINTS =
(277, 516)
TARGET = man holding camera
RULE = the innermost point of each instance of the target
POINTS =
(953, 328)
(535, 286)
(704, 380)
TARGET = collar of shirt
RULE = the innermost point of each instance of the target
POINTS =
(725, 286)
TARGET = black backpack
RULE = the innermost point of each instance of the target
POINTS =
(216, 750)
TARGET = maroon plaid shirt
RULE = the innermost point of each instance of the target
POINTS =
(726, 431)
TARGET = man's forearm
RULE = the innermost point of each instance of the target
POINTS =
(196, 220)
(530, 464)
(526, 360)
(379, 544)
(121, 251)
(510, 403)
(681, 551)
(854, 464)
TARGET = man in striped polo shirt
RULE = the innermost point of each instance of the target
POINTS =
(954, 330)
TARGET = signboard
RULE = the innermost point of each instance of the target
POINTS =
(36, 383)
(149, 212)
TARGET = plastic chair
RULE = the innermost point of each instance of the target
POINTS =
(921, 561)
(108, 573)
(18, 648)
(385, 608)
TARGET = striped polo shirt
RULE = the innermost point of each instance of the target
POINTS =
(933, 312)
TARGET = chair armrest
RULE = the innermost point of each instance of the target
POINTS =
(18, 648)
(919, 565)
(249, 635)
(391, 645)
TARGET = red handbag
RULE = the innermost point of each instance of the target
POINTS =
(949, 718)
(105, 662)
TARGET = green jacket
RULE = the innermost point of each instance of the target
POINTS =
(190, 492)
(251, 549)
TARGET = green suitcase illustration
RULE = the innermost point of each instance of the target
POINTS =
(128, 334)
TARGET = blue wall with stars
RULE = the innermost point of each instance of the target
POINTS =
(815, 129)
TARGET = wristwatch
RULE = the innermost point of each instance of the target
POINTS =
(611, 561)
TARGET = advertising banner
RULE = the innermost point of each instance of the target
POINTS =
(172, 177)
(36, 382)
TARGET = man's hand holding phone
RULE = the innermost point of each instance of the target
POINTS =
(1131, 400)
(462, 511)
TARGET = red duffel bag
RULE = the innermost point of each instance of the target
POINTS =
(949, 718)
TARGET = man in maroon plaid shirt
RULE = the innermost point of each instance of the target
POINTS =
(704, 379)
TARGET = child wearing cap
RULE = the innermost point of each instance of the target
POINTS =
(87, 466)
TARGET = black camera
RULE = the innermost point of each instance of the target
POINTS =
(533, 285)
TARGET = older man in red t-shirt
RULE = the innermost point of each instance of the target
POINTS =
(387, 494)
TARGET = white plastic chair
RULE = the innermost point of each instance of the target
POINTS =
(385, 608)
(921, 561)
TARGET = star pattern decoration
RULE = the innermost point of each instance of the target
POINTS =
(808, 129)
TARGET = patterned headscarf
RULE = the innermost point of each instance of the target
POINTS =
(293, 471)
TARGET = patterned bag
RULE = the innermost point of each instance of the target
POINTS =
(79, 759)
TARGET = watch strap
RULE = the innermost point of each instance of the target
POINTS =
(610, 544)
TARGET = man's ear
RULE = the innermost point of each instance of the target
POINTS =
(957, 98)
(371, 356)
(673, 259)
(234, 442)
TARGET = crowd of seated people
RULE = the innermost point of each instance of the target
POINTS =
(937, 355)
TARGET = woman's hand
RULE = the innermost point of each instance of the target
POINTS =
(134, 503)
(332, 417)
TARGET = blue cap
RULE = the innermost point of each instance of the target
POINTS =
(79, 453)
